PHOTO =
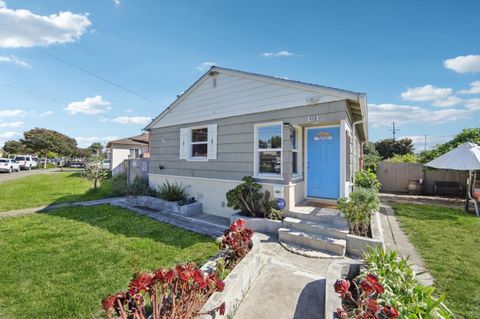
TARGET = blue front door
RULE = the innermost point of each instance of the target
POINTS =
(323, 162)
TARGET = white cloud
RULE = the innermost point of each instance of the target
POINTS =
(282, 53)
(129, 110)
(15, 60)
(12, 112)
(384, 114)
(84, 141)
(473, 104)
(117, 2)
(474, 88)
(91, 105)
(132, 120)
(23, 28)
(425, 93)
(46, 113)
(11, 124)
(463, 64)
(204, 66)
(448, 102)
(8, 135)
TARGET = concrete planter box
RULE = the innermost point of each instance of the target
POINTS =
(356, 245)
(163, 205)
(237, 283)
(337, 270)
(262, 225)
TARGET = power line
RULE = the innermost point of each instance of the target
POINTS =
(98, 77)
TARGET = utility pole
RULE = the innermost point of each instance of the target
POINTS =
(394, 130)
(425, 144)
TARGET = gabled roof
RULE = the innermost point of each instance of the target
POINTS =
(356, 97)
(139, 140)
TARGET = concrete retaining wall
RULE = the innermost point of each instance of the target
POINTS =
(163, 205)
(237, 283)
(357, 245)
(263, 225)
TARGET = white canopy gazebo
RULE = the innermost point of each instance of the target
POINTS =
(465, 157)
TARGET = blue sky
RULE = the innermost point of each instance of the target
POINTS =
(418, 61)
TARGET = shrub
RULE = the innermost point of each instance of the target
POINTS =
(172, 192)
(246, 197)
(358, 208)
(271, 210)
(139, 187)
(367, 179)
(402, 290)
(237, 242)
(119, 184)
(405, 158)
(177, 293)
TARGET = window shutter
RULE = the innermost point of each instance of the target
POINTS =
(183, 143)
(212, 141)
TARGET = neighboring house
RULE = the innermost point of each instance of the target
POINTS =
(300, 141)
(128, 148)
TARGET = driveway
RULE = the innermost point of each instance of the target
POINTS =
(8, 177)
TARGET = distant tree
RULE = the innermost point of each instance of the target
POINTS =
(14, 147)
(466, 135)
(405, 158)
(370, 157)
(96, 149)
(387, 148)
(43, 141)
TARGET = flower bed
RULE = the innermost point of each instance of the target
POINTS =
(386, 288)
(357, 245)
(185, 291)
(154, 203)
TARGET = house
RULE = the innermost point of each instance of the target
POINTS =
(128, 148)
(300, 141)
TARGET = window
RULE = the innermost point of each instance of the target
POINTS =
(199, 143)
(296, 151)
(268, 149)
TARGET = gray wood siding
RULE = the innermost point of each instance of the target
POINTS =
(235, 141)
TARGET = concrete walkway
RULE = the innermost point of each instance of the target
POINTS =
(395, 239)
(289, 285)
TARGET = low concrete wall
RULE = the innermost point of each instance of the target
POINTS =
(237, 283)
(337, 270)
(163, 205)
(263, 225)
(357, 245)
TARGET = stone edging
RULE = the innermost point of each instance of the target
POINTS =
(163, 205)
(356, 245)
(257, 224)
(237, 283)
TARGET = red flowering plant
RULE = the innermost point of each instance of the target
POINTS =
(236, 243)
(176, 293)
(362, 301)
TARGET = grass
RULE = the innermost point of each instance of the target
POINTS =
(62, 263)
(449, 241)
(45, 189)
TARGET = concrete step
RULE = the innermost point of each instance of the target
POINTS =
(332, 246)
(325, 229)
(320, 215)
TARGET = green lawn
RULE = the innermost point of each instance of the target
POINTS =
(449, 241)
(45, 189)
(61, 264)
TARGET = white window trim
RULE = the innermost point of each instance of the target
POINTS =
(299, 151)
(256, 159)
(190, 143)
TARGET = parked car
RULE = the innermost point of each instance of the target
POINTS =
(25, 161)
(76, 164)
(105, 164)
(9, 165)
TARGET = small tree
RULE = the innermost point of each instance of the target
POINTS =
(389, 147)
(95, 174)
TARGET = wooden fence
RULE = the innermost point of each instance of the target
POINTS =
(395, 176)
